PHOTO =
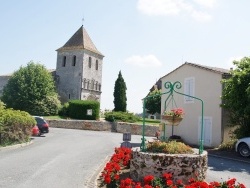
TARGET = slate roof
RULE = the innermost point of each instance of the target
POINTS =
(80, 40)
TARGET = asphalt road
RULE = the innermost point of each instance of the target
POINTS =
(220, 169)
(64, 158)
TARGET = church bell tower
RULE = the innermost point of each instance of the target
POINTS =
(79, 68)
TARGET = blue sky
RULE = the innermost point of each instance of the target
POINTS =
(145, 39)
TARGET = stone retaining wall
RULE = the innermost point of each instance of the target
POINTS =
(181, 166)
(120, 127)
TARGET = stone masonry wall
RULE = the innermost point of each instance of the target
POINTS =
(181, 166)
(119, 127)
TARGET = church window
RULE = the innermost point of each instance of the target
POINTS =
(64, 61)
(96, 65)
(96, 86)
(93, 84)
(90, 61)
(99, 87)
(69, 96)
(88, 84)
(74, 61)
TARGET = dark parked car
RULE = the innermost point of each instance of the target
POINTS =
(42, 124)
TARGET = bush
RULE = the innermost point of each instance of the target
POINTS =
(78, 109)
(64, 110)
(171, 147)
(15, 126)
(2, 105)
(121, 116)
(230, 145)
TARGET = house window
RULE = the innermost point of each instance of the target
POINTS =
(74, 61)
(96, 65)
(90, 61)
(99, 87)
(189, 86)
(69, 96)
(64, 61)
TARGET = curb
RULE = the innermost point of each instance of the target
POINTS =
(229, 158)
(16, 146)
(92, 180)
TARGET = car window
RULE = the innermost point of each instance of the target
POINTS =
(39, 120)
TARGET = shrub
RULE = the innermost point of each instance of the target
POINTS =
(15, 126)
(230, 145)
(121, 116)
(171, 147)
(64, 110)
(78, 109)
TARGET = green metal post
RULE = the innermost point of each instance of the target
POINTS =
(202, 128)
(143, 148)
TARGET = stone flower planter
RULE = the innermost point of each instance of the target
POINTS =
(182, 166)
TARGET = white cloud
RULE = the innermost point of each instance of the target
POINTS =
(201, 16)
(143, 61)
(207, 3)
(196, 9)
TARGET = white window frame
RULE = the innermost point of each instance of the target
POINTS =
(189, 88)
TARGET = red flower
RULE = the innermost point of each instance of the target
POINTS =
(167, 176)
(231, 181)
(148, 179)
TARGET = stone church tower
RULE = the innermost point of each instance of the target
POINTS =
(79, 68)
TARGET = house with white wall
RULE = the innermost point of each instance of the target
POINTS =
(203, 82)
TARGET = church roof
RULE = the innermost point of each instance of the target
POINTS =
(80, 40)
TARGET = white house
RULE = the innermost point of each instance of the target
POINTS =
(205, 83)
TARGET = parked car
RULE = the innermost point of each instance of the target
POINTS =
(243, 147)
(36, 131)
(42, 124)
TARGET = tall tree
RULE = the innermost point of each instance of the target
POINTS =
(32, 89)
(120, 99)
(236, 96)
(153, 102)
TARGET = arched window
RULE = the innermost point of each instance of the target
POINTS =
(74, 61)
(100, 87)
(84, 83)
(64, 61)
(93, 84)
(96, 65)
(96, 86)
(88, 84)
(90, 61)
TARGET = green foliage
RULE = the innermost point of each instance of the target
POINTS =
(15, 126)
(236, 97)
(171, 147)
(120, 99)
(32, 89)
(64, 110)
(121, 116)
(153, 102)
(2, 105)
(77, 109)
(229, 145)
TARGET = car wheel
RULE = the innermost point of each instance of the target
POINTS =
(39, 133)
(244, 150)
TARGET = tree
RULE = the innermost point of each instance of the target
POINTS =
(32, 89)
(236, 97)
(153, 102)
(120, 99)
